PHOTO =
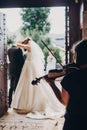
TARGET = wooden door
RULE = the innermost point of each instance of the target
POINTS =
(3, 65)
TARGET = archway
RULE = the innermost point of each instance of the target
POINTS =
(72, 26)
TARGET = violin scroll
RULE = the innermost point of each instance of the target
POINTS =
(34, 82)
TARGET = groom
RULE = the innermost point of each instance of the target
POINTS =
(16, 60)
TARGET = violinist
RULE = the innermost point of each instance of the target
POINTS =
(74, 90)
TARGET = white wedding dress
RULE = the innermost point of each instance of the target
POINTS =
(38, 101)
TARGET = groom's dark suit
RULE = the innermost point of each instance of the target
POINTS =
(15, 66)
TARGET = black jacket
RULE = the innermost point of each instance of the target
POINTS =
(16, 60)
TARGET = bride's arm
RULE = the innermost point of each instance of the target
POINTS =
(25, 46)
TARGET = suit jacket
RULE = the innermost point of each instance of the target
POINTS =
(16, 59)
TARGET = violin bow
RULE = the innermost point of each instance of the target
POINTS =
(50, 51)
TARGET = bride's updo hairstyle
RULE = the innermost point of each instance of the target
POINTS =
(81, 52)
(26, 41)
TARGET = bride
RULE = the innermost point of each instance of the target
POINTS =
(38, 100)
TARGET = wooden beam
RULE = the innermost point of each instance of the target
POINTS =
(32, 3)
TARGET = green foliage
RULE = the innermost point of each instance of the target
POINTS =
(10, 40)
(36, 25)
(35, 18)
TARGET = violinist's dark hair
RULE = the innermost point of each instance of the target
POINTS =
(81, 52)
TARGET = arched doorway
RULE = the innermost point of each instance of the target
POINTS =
(72, 26)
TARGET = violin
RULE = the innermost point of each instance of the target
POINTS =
(55, 73)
